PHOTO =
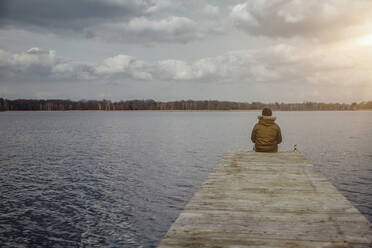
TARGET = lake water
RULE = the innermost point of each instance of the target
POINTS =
(119, 179)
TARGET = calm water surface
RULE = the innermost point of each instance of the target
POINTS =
(119, 179)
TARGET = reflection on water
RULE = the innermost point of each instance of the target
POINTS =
(119, 179)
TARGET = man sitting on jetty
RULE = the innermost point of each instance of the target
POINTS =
(266, 133)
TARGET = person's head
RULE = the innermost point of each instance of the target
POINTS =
(266, 112)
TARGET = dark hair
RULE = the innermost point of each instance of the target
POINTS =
(267, 112)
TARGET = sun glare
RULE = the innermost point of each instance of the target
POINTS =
(366, 40)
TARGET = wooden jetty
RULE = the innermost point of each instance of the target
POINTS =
(268, 200)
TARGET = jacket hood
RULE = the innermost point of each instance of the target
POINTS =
(266, 120)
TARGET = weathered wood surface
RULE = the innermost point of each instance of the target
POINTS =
(268, 200)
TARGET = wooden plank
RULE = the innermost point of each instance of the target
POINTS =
(268, 200)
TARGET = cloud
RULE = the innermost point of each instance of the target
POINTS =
(143, 30)
(39, 64)
(278, 64)
(158, 5)
(34, 60)
(123, 66)
(67, 16)
(132, 21)
(211, 9)
(323, 19)
(74, 14)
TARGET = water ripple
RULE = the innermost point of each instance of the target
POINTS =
(121, 179)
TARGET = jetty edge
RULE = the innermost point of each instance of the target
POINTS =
(269, 200)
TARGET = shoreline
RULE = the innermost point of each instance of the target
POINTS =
(131, 110)
(237, 110)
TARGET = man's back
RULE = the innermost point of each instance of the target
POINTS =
(266, 134)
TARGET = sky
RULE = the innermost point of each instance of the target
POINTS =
(235, 50)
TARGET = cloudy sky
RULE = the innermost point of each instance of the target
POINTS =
(256, 50)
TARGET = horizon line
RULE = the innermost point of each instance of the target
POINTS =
(181, 100)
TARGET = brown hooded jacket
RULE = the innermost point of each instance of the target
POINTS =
(266, 134)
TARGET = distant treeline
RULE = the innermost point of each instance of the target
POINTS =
(65, 105)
